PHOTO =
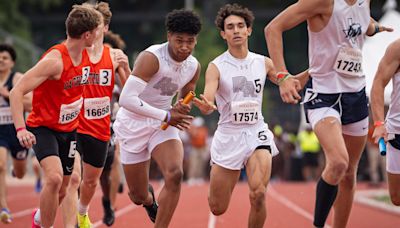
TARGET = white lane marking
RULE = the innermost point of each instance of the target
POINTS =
(289, 204)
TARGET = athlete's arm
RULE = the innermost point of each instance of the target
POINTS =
(288, 19)
(50, 67)
(145, 67)
(374, 27)
(288, 88)
(303, 78)
(206, 103)
(121, 63)
(190, 86)
(27, 100)
(388, 66)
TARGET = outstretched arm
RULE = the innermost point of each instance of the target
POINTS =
(206, 103)
(374, 27)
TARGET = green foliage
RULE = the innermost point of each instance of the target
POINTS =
(14, 22)
(209, 45)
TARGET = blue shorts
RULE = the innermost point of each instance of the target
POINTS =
(9, 140)
(395, 142)
(352, 107)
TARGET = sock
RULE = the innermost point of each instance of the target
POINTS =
(82, 209)
(36, 217)
(326, 195)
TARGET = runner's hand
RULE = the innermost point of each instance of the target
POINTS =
(289, 90)
(26, 138)
(380, 132)
(180, 120)
(205, 106)
(181, 107)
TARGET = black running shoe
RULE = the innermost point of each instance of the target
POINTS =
(109, 216)
(152, 209)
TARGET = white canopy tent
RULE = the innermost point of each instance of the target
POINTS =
(375, 46)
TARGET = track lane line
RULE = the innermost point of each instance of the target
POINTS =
(292, 206)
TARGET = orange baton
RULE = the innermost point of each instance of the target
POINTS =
(189, 97)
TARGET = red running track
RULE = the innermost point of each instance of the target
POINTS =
(288, 205)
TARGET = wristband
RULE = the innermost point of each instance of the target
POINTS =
(168, 116)
(379, 123)
(282, 76)
(376, 28)
(20, 129)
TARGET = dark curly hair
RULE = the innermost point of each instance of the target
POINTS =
(8, 48)
(183, 21)
(234, 9)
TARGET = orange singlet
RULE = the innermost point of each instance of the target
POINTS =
(56, 103)
(94, 119)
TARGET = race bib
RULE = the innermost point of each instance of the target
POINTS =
(69, 112)
(97, 108)
(348, 62)
(5, 116)
(245, 112)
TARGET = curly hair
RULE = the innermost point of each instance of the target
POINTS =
(10, 49)
(183, 21)
(234, 9)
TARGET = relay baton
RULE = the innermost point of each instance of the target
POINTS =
(382, 146)
(188, 98)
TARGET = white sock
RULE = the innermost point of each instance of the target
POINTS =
(82, 209)
(36, 217)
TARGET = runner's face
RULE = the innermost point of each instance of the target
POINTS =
(6, 62)
(181, 45)
(235, 32)
(94, 34)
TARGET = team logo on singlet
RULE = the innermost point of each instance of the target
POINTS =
(353, 30)
(167, 87)
(240, 84)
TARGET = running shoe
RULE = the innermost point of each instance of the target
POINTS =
(109, 216)
(84, 221)
(152, 209)
(34, 223)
